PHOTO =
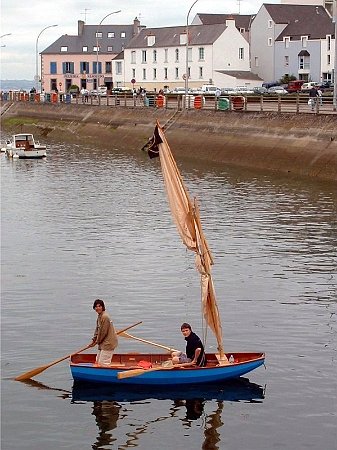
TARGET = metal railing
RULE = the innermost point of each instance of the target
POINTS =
(291, 103)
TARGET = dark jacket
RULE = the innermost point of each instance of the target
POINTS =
(192, 343)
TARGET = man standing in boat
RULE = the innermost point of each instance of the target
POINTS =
(195, 352)
(105, 335)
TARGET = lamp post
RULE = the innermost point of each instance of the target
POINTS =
(114, 12)
(7, 34)
(37, 57)
(186, 67)
(335, 62)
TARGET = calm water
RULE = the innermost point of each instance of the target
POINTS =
(88, 223)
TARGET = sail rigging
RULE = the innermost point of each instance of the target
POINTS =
(186, 216)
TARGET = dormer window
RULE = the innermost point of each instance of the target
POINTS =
(151, 40)
(183, 39)
(304, 41)
(99, 34)
(64, 49)
(286, 41)
(111, 35)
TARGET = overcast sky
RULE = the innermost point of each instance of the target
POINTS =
(25, 20)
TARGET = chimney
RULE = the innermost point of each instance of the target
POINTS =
(136, 26)
(80, 27)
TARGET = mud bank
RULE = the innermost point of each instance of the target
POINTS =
(305, 145)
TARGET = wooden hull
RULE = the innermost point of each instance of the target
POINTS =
(83, 370)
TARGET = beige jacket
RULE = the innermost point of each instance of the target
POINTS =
(105, 335)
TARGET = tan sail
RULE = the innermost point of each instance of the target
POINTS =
(187, 219)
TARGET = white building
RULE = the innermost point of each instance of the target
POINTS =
(156, 58)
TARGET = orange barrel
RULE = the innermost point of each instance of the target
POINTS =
(198, 102)
(238, 102)
(54, 97)
(160, 101)
(26, 97)
(22, 96)
(37, 97)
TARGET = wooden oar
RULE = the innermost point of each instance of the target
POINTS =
(32, 373)
(135, 372)
(169, 349)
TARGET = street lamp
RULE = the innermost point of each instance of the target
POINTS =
(114, 12)
(7, 34)
(37, 57)
(186, 67)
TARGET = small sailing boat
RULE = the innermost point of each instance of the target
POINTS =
(153, 369)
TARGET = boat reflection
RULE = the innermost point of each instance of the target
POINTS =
(109, 406)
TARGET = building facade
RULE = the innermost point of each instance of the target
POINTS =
(85, 60)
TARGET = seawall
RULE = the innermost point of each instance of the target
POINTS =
(300, 144)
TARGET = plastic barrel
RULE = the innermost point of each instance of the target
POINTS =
(223, 103)
(160, 101)
(198, 102)
(54, 97)
(47, 98)
(238, 102)
(37, 98)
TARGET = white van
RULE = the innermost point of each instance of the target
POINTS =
(210, 89)
(102, 91)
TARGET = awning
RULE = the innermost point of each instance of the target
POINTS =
(304, 53)
(108, 80)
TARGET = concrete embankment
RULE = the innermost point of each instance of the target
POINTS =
(301, 144)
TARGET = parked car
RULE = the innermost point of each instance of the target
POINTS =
(307, 86)
(295, 86)
(278, 90)
(228, 91)
(102, 91)
(243, 90)
(260, 90)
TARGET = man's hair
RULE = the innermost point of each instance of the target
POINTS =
(186, 325)
(98, 302)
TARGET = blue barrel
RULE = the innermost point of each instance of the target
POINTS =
(47, 98)
(67, 98)
(146, 101)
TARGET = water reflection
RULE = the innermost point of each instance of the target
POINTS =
(112, 404)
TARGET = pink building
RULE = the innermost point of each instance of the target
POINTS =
(85, 60)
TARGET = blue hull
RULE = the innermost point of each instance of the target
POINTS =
(86, 372)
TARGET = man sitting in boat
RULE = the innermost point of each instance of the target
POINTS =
(105, 335)
(195, 352)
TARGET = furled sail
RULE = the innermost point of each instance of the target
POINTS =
(187, 219)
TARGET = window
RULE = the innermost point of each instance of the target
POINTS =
(189, 72)
(53, 84)
(242, 30)
(84, 67)
(108, 67)
(99, 34)
(53, 68)
(110, 48)
(286, 42)
(96, 49)
(154, 56)
(144, 56)
(256, 61)
(166, 55)
(67, 67)
(270, 42)
(154, 74)
(134, 73)
(165, 73)
(328, 38)
(201, 54)
(84, 48)
(286, 61)
(123, 34)
(328, 60)
(177, 72)
(118, 67)
(177, 55)
(241, 53)
(270, 24)
(304, 41)
(144, 74)
(151, 39)
(94, 66)
(64, 49)
(189, 54)
(133, 57)
(201, 72)
(111, 34)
